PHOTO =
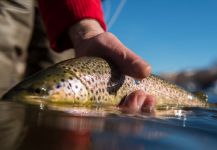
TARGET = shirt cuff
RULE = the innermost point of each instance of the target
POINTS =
(60, 15)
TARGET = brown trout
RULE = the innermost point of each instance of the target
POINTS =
(92, 81)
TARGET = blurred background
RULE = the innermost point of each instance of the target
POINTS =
(171, 35)
(178, 38)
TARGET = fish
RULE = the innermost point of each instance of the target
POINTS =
(93, 81)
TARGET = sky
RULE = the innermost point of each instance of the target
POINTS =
(172, 35)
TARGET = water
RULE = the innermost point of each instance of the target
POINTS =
(37, 128)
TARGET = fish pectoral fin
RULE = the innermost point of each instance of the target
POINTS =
(115, 83)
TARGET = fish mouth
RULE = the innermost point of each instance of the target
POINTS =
(33, 99)
(21, 95)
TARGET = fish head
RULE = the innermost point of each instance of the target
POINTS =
(51, 85)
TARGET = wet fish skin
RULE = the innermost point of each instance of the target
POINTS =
(92, 81)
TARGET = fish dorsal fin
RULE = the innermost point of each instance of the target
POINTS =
(201, 95)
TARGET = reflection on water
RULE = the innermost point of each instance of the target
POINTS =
(12, 128)
(32, 128)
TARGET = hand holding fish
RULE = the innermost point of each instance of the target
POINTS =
(89, 39)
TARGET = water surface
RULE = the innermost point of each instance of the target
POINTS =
(37, 128)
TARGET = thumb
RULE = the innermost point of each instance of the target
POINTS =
(127, 61)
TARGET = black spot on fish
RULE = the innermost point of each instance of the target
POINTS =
(70, 84)
(58, 86)
(105, 98)
(88, 81)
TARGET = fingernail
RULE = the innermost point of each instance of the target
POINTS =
(148, 109)
(140, 101)
(147, 71)
(149, 104)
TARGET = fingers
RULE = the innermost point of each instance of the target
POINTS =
(149, 104)
(138, 101)
(107, 46)
(128, 62)
(134, 101)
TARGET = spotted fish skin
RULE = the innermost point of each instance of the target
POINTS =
(92, 81)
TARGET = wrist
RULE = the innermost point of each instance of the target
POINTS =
(84, 29)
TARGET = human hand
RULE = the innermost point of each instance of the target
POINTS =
(89, 39)
(138, 101)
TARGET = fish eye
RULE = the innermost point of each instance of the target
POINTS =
(37, 91)
(40, 91)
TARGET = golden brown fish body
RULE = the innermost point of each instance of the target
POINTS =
(92, 81)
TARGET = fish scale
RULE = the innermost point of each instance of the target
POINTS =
(91, 81)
